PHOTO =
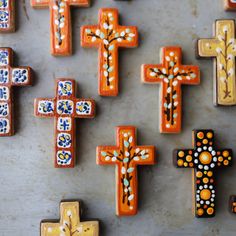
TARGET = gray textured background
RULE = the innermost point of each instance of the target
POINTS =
(31, 188)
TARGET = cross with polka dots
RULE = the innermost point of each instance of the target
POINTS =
(7, 15)
(204, 158)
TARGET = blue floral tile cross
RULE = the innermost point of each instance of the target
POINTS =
(65, 107)
(7, 15)
(9, 77)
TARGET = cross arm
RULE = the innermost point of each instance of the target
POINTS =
(152, 73)
(91, 36)
(40, 3)
(21, 76)
(81, 3)
(127, 38)
(224, 157)
(44, 107)
(208, 47)
(108, 155)
(85, 108)
(189, 75)
(183, 158)
(144, 155)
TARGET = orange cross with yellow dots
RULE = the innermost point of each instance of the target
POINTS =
(204, 158)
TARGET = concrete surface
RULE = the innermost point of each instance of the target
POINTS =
(31, 188)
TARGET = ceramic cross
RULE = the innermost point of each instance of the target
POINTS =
(205, 159)
(7, 15)
(60, 20)
(108, 36)
(9, 77)
(126, 155)
(65, 107)
(223, 48)
(232, 204)
(171, 74)
(69, 224)
(230, 5)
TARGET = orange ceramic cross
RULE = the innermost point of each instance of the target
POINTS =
(126, 155)
(65, 107)
(205, 159)
(230, 5)
(60, 20)
(7, 15)
(9, 77)
(171, 74)
(108, 36)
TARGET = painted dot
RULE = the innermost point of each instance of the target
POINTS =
(209, 173)
(200, 135)
(185, 164)
(210, 211)
(209, 135)
(225, 153)
(205, 194)
(220, 158)
(200, 212)
(181, 154)
(189, 158)
(180, 162)
(229, 158)
(205, 141)
(205, 158)
(205, 180)
(226, 162)
(199, 174)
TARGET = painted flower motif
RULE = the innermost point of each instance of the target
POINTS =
(19, 75)
(4, 76)
(83, 107)
(64, 140)
(4, 16)
(65, 107)
(64, 157)
(64, 124)
(65, 88)
(3, 3)
(4, 93)
(4, 126)
(4, 109)
(4, 58)
(46, 107)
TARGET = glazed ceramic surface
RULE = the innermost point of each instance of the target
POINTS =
(7, 16)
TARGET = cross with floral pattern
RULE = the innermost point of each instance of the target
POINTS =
(171, 74)
(70, 224)
(65, 107)
(9, 77)
(126, 155)
(108, 36)
(223, 49)
(60, 21)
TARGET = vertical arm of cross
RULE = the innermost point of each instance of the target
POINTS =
(7, 12)
(171, 74)
(108, 36)
(223, 49)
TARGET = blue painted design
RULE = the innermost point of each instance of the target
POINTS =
(64, 140)
(3, 3)
(65, 107)
(4, 126)
(46, 107)
(65, 88)
(64, 157)
(19, 75)
(64, 124)
(4, 76)
(4, 109)
(4, 16)
(4, 93)
(83, 108)
(4, 58)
